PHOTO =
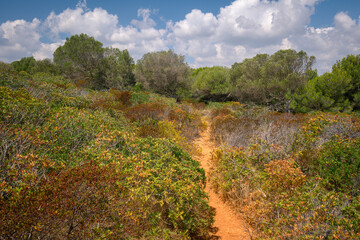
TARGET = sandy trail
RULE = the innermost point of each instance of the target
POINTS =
(230, 226)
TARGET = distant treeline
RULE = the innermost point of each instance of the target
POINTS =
(284, 81)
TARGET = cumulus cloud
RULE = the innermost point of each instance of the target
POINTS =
(141, 36)
(97, 23)
(146, 21)
(195, 25)
(240, 30)
(18, 39)
(46, 50)
(331, 43)
(249, 25)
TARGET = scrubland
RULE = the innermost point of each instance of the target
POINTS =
(83, 164)
(94, 146)
(290, 176)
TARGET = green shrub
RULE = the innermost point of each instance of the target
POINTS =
(20, 107)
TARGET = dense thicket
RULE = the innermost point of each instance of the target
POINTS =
(271, 80)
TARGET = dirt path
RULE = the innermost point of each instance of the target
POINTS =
(230, 226)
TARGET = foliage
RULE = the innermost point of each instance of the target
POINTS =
(335, 91)
(5, 66)
(246, 79)
(240, 125)
(350, 65)
(302, 187)
(118, 68)
(82, 58)
(72, 166)
(25, 64)
(271, 80)
(164, 72)
(211, 83)
(326, 92)
(45, 66)
(19, 107)
(339, 165)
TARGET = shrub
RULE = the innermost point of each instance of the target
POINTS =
(19, 107)
(290, 181)
(339, 165)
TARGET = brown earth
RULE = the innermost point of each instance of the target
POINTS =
(230, 226)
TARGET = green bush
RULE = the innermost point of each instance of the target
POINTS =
(69, 169)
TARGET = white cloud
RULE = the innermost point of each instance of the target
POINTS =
(195, 25)
(146, 21)
(240, 30)
(332, 43)
(46, 50)
(344, 21)
(250, 22)
(250, 25)
(97, 23)
(18, 39)
(140, 37)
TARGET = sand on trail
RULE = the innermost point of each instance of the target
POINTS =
(230, 226)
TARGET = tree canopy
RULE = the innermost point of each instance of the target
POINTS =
(164, 72)
(271, 80)
(211, 83)
(84, 58)
(338, 90)
(284, 81)
(25, 64)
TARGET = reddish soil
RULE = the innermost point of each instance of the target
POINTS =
(230, 226)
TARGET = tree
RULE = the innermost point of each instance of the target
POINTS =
(84, 58)
(287, 71)
(5, 66)
(164, 72)
(211, 83)
(326, 92)
(271, 80)
(350, 65)
(45, 66)
(80, 59)
(118, 68)
(25, 64)
(335, 91)
(247, 80)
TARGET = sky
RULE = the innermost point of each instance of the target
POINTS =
(207, 32)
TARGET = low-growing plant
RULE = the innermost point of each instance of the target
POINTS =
(294, 177)
(71, 169)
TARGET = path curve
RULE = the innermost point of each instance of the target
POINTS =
(230, 226)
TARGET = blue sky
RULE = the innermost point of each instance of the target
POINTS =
(207, 32)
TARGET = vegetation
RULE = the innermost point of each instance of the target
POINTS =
(271, 80)
(165, 73)
(290, 176)
(84, 60)
(77, 163)
(86, 152)
(335, 91)
(211, 83)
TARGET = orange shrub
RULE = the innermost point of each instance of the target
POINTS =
(284, 176)
(106, 101)
(144, 111)
(122, 96)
